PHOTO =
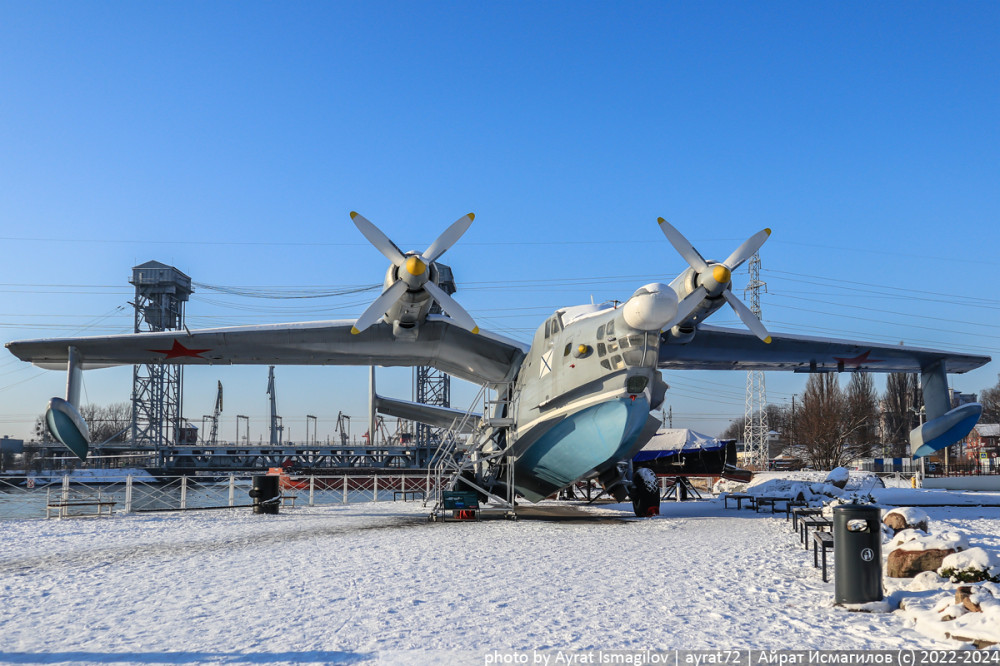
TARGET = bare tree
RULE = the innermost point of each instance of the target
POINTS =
(900, 411)
(40, 433)
(819, 426)
(990, 400)
(108, 423)
(777, 419)
(862, 415)
(735, 429)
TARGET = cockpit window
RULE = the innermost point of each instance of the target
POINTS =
(600, 332)
(641, 350)
(552, 326)
(611, 328)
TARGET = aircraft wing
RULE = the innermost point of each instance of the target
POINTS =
(432, 415)
(718, 348)
(438, 343)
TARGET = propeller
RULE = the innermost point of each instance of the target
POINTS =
(414, 272)
(715, 279)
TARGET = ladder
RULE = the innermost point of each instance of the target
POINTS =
(454, 457)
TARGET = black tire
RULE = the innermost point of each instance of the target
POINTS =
(646, 507)
(645, 496)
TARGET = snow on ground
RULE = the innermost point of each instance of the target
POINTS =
(378, 583)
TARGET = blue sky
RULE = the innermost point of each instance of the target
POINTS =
(232, 139)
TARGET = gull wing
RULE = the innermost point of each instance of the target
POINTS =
(718, 348)
(439, 343)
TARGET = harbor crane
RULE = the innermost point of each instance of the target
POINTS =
(213, 433)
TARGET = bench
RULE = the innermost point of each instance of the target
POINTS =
(62, 508)
(407, 494)
(818, 522)
(822, 541)
(738, 498)
(794, 504)
(291, 500)
(762, 501)
(801, 512)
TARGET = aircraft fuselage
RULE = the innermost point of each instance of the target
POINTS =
(582, 398)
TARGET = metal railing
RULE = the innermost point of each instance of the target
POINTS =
(454, 463)
(987, 467)
(21, 500)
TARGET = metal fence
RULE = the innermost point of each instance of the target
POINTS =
(21, 498)
(985, 466)
(989, 467)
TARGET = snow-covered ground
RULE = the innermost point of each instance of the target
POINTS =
(378, 583)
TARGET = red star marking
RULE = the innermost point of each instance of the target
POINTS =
(179, 351)
(857, 361)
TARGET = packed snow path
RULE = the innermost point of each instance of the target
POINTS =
(377, 582)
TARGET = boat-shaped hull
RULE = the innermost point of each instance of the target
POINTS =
(590, 440)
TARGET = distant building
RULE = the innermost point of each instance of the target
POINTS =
(983, 444)
(8, 445)
(958, 399)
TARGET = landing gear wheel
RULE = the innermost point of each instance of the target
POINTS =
(645, 493)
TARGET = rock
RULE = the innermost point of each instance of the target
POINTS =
(838, 478)
(963, 595)
(924, 582)
(908, 563)
(979, 643)
(906, 518)
(918, 540)
(970, 566)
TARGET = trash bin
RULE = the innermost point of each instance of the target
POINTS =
(857, 554)
(266, 494)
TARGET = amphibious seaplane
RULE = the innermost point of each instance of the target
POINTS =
(576, 402)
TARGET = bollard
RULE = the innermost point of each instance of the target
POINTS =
(266, 494)
(857, 554)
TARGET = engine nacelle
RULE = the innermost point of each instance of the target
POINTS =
(651, 307)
